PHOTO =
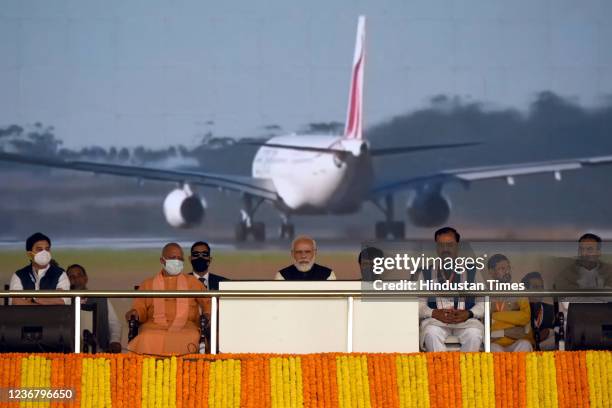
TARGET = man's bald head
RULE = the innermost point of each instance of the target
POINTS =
(172, 251)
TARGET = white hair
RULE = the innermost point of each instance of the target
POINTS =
(303, 238)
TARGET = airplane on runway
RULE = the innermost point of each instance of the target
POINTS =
(319, 174)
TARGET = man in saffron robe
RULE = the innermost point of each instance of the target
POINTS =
(169, 325)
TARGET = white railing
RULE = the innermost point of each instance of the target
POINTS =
(348, 294)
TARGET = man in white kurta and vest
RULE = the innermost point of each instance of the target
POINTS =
(443, 317)
(304, 267)
(42, 273)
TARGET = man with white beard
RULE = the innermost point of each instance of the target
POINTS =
(303, 252)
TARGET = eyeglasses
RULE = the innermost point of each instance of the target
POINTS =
(200, 254)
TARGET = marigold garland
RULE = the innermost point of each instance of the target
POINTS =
(487, 380)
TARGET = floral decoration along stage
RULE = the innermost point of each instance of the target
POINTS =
(425, 380)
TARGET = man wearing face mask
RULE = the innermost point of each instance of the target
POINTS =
(41, 274)
(168, 325)
(510, 318)
(200, 262)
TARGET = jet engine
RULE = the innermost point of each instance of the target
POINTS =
(428, 209)
(183, 208)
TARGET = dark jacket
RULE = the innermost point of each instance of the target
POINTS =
(316, 273)
(469, 300)
(213, 281)
(48, 282)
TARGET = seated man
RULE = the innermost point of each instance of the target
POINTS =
(588, 271)
(42, 273)
(366, 262)
(303, 252)
(509, 318)
(200, 262)
(542, 314)
(442, 317)
(168, 325)
(108, 327)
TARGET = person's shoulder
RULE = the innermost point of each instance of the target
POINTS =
(55, 269)
(25, 269)
(194, 283)
(287, 268)
(147, 284)
(323, 267)
(569, 271)
(191, 278)
(523, 302)
(214, 276)
(567, 277)
(606, 268)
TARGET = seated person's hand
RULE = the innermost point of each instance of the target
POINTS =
(544, 333)
(443, 315)
(131, 313)
(114, 347)
(23, 301)
(515, 332)
(459, 316)
(206, 317)
(48, 301)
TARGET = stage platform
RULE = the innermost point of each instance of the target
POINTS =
(421, 380)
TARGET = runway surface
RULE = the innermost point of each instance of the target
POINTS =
(158, 242)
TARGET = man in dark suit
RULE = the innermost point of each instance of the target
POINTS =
(200, 261)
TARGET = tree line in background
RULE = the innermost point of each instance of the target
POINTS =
(41, 140)
(549, 120)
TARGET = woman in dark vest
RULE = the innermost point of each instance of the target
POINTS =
(303, 252)
(43, 273)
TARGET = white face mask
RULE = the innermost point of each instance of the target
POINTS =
(173, 266)
(42, 258)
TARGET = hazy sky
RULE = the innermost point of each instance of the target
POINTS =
(157, 72)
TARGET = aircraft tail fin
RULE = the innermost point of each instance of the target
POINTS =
(354, 115)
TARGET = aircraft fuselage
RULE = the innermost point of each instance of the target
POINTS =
(311, 182)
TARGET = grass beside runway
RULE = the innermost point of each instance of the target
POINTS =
(115, 269)
(122, 269)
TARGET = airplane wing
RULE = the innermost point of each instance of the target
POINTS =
(507, 172)
(374, 152)
(263, 188)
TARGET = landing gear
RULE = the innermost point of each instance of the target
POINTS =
(240, 232)
(259, 231)
(395, 229)
(389, 228)
(246, 226)
(287, 229)
(244, 229)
